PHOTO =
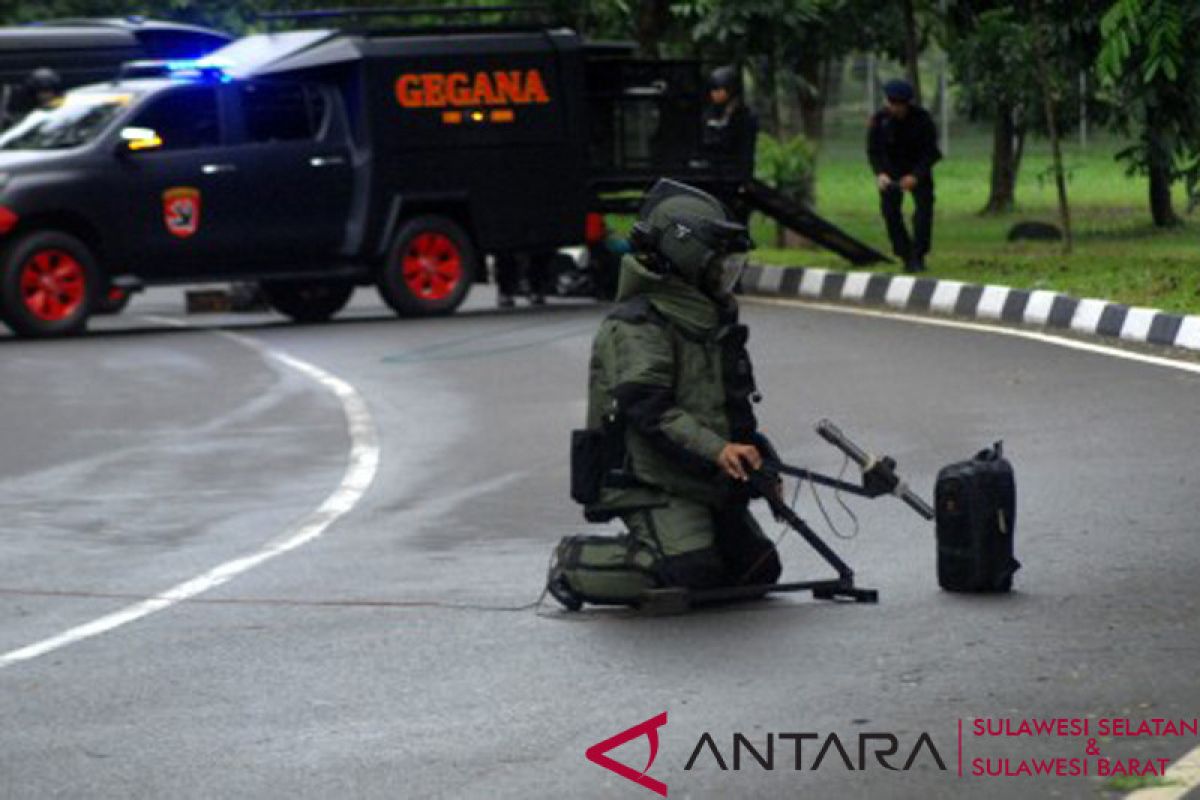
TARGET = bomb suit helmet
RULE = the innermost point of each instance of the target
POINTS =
(687, 232)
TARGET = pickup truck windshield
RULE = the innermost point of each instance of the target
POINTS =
(77, 120)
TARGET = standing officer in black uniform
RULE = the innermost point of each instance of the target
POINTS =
(511, 268)
(902, 148)
(729, 136)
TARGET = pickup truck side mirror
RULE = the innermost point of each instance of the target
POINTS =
(134, 140)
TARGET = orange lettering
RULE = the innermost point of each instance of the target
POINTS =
(535, 90)
(434, 86)
(459, 89)
(508, 87)
(458, 93)
(407, 92)
(484, 94)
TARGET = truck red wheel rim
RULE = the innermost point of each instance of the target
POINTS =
(53, 284)
(432, 266)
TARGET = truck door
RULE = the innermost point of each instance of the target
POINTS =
(294, 145)
(179, 205)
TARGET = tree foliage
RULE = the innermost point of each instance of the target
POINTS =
(1150, 67)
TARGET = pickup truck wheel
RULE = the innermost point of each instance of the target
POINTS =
(308, 301)
(48, 282)
(429, 268)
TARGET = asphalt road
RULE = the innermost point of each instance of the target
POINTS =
(391, 657)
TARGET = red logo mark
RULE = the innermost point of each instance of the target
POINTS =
(181, 210)
(649, 729)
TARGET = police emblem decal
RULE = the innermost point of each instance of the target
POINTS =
(181, 210)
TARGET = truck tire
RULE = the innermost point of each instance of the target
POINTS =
(429, 268)
(308, 301)
(48, 284)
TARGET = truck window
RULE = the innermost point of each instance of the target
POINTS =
(80, 118)
(276, 112)
(185, 119)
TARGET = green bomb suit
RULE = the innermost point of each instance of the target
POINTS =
(669, 366)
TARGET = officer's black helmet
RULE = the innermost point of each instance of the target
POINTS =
(898, 90)
(43, 79)
(727, 77)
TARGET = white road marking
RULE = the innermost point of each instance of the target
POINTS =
(855, 287)
(1189, 333)
(1137, 323)
(772, 278)
(1185, 773)
(1087, 315)
(360, 472)
(899, 290)
(945, 296)
(812, 281)
(991, 302)
(1037, 310)
(1037, 336)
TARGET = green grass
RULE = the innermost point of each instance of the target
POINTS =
(1118, 254)
(1131, 783)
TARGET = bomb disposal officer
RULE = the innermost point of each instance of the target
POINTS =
(902, 148)
(672, 435)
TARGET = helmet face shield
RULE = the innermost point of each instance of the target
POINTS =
(723, 236)
(724, 273)
(691, 231)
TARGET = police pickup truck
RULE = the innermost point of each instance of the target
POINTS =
(312, 161)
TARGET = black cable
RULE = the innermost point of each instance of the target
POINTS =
(838, 495)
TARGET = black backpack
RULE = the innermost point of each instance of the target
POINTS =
(976, 504)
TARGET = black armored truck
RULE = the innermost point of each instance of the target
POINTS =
(315, 161)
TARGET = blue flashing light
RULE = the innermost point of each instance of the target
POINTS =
(202, 67)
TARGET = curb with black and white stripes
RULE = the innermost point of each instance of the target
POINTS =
(989, 302)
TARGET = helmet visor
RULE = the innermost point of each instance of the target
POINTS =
(725, 273)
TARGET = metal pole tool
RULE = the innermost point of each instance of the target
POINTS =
(879, 478)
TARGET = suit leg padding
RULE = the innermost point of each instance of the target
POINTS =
(751, 556)
(698, 569)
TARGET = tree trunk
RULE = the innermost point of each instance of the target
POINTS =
(770, 93)
(1019, 153)
(651, 21)
(1161, 209)
(1159, 167)
(834, 72)
(1004, 163)
(1049, 95)
(912, 49)
(811, 97)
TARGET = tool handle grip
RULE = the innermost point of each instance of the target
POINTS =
(833, 434)
(917, 503)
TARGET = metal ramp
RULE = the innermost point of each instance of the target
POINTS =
(802, 220)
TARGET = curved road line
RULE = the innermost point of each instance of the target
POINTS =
(360, 473)
(981, 327)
